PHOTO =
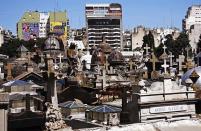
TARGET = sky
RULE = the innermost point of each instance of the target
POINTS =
(150, 13)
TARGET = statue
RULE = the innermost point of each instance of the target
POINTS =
(54, 118)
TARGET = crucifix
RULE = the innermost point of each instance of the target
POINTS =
(171, 56)
(60, 58)
(9, 71)
(165, 66)
(147, 48)
(180, 60)
(164, 48)
(153, 60)
(102, 77)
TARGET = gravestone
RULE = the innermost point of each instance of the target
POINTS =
(165, 100)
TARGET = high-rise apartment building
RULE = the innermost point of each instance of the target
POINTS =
(5, 36)
(192, 25)
(104, 20)
(34, 24)
(193, 16)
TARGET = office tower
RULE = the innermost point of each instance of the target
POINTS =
(104, 20)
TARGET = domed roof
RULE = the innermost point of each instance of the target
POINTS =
(52, 43)
(115, 57)
(105, 47)
(188, 73)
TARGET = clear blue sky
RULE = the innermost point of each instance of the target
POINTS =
(150, 13)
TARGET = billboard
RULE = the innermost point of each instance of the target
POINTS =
(30, 30)
(59, 28)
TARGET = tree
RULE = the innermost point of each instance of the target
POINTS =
(149, 40)
(177, 47)
(159, 50)
(199, 44)
(180, 44)
(10, 48)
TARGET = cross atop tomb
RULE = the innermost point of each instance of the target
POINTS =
(165, 66)
(171, 56)
(153, 60)
(60, 59)
(180, 60)
(147, 49)
(164, 48)
(9, 71)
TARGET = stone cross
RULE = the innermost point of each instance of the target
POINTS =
(165, 66)
(9, 71)
(103, 78)
(153, 60)
(164, 48)
(171, 56)
(147, 48)
(60, 57)
(180, 60)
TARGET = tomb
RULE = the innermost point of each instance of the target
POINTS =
(164, 99)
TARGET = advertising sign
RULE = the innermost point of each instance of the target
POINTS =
(30, 30)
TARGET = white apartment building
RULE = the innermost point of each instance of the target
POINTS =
(192, 25)
(193, 16)
(43, 24)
